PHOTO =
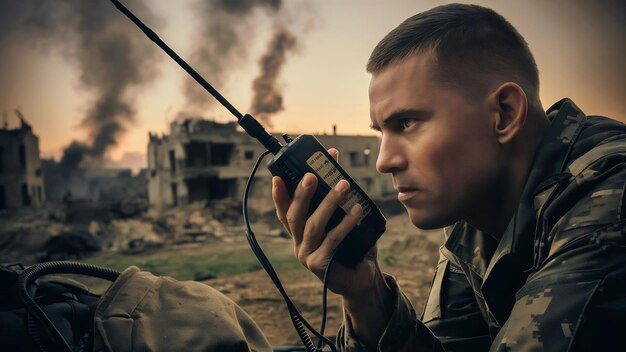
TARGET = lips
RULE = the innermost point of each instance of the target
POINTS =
(406, 193)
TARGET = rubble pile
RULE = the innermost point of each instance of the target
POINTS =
(70, 245)
(133, 235)
(197, 222)
(24, 234)
(75, 229)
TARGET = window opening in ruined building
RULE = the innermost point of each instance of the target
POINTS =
(248, 155)
(174, 187)
(1, 160)
(221, 153)
(172, 161)
(360, 158)
(22, 157)
(40, 194)
(25, 196)
(196, 154)
(354, 159)
(387, 187)
(367, 184)
(2, 198)
(208, 188)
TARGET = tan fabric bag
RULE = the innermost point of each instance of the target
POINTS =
(143, 312)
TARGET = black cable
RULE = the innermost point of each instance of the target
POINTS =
(324, 300)
(31, 274)
(297, 319)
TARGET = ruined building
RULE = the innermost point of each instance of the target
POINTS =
(21, 181)
(204, 160)
(91, 184)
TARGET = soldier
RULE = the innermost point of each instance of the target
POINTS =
(532, 201)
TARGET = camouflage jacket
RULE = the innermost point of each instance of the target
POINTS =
(556, 280)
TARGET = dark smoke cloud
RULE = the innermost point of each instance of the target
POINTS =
(268, 97)
(222, 44)
(112, 57)
(239, 7)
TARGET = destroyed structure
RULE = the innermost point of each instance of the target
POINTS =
(91, 183)
(21, 180)
(204, 160)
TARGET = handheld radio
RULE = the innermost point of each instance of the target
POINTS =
(306, 154)
(294, 159)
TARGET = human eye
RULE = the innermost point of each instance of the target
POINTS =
(406, 123)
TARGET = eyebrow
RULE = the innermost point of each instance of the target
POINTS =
(401, 114)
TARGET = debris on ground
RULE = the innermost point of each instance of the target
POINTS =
(126, 226)
(70, 245)
(98, 230)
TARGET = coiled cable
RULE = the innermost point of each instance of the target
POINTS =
(29, 275)
(297, 319)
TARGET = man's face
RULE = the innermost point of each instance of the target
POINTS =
(439, 145)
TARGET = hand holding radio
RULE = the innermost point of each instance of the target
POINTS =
(313, 244)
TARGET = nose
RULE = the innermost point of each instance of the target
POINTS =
(390, 156)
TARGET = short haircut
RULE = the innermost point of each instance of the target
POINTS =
(469, 43)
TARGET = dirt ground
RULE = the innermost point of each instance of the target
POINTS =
(191, 243)
(405, 252)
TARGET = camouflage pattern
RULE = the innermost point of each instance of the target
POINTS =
(556, 280)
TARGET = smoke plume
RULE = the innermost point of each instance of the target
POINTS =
(221, 47)
(112, 56)
(268, 97)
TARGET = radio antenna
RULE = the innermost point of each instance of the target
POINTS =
(249, 123)
(155, 38)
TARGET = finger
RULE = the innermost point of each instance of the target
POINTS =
(334, 153)
(336, 235)
(299, 209)
(317, 221)
(281, 200)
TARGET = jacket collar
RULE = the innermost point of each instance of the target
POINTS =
(513, 256)
(567, 120)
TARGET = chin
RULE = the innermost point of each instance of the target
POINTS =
(428, 221)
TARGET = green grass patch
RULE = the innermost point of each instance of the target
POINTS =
(188, 266)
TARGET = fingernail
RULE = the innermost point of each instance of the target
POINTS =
(274, 182)
(306, 181)
(356, 209)
(342, 186)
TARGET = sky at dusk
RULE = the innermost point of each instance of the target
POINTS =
(579, 46)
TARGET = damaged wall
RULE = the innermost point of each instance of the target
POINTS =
(21, 181)
(92, 184)
(203, 160)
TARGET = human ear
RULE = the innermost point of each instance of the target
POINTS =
(511, 107)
